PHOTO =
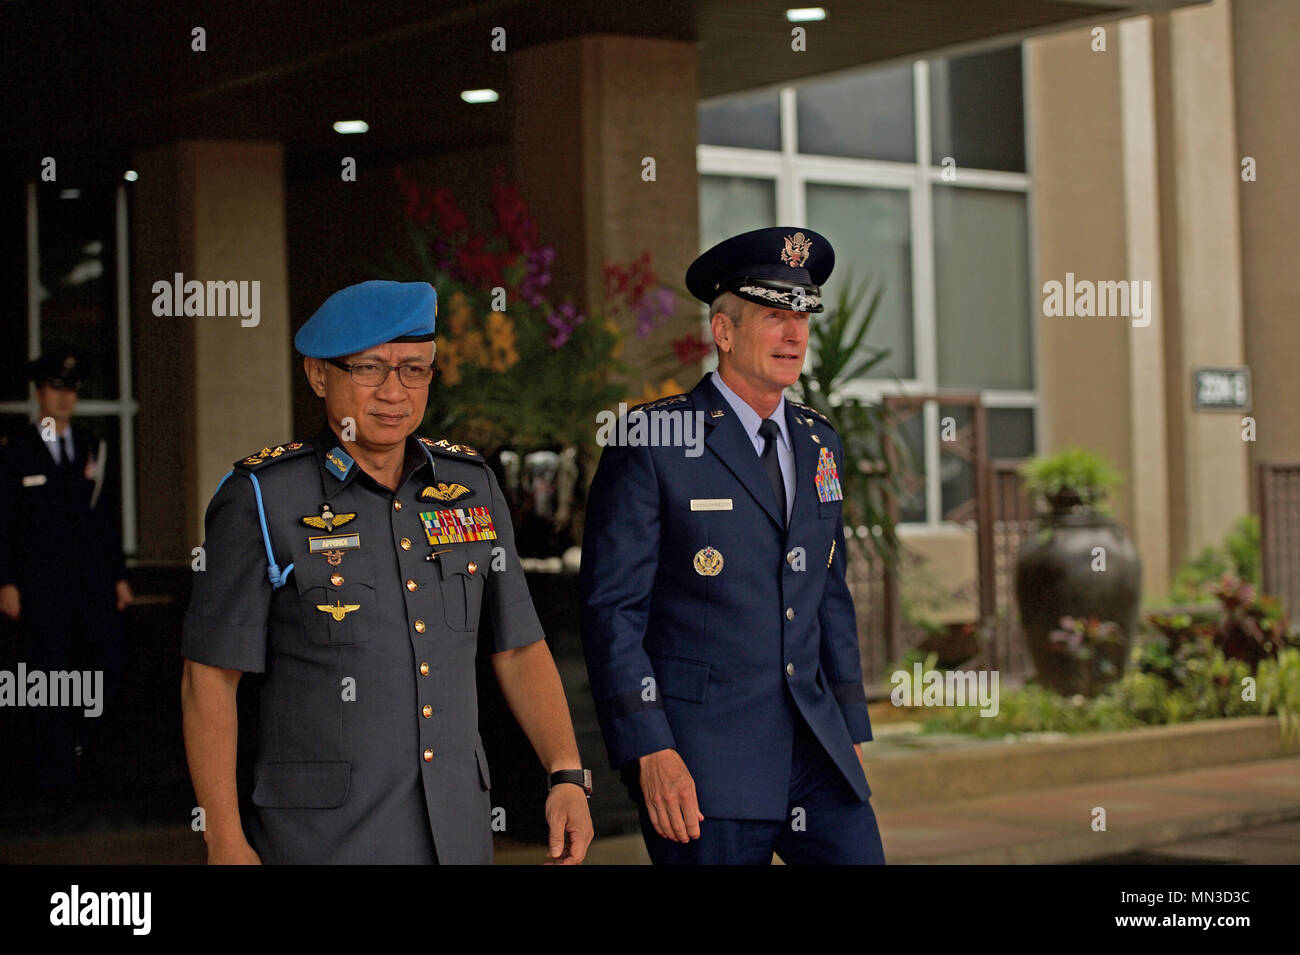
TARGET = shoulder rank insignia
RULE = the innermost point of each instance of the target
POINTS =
(445, 492)
(328, 520)
(442, 444)
(259, 458)
(809, 411)
(660, 402)
(338, 610)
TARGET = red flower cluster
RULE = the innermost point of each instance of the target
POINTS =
(510, 208)
(631, 280)
(692, 348)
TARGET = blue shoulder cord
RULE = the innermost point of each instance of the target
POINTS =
(277, 577)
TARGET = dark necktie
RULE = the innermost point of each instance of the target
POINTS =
(769, 431)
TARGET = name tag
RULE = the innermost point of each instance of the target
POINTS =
(710, 504)
(346, 542)
(34, 480)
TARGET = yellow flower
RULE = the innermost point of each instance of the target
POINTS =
(501, 342)
(472, 348)
(447, 359)
(459, 316)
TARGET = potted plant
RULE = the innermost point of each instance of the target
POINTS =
(1079, 565)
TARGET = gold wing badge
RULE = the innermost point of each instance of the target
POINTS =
(338, 611)
(328, 520)
(444, 492)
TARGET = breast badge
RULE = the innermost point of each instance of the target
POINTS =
(708, 562)
(338, 610)
(458, 525)
(328, 520)
(828, 477)
(445, 492)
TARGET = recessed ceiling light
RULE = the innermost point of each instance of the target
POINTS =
(479, 96)
(805, 14)
(70, 194)
(130, 175)
(346, 126)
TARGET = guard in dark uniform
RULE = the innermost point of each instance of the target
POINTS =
(718, 627)
(62, 574)
(353, 570)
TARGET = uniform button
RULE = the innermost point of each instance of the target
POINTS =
(397, 505)
(336, 580)
(424, 669)
(419, 626)
(406, 543)
(471, 567)
(427, 711)
(789, 558)
(789, 669)
(789, 613)
(428, 756)
(412, 586)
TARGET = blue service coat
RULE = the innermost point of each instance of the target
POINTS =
(720, 666)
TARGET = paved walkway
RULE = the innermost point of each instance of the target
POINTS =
(1178, 811)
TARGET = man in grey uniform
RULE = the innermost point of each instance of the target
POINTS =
(353, 570)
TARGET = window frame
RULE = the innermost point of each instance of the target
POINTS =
(792, 171)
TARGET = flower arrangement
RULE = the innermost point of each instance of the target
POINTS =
(515, 368)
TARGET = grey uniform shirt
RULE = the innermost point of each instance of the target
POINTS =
(369, 748)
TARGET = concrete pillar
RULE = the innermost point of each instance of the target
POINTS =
(1201, 239)
(211, 389)
(1267, 88)
(585, 114)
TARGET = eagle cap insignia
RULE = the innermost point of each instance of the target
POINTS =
(797, 249)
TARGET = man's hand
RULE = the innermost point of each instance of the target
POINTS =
(10, 602)
(569, 819)
(670, 796)
(232, 851)
(124, 595)
(858, 749)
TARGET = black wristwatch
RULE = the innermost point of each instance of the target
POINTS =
(579, 777)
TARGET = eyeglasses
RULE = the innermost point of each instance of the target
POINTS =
(373, 373)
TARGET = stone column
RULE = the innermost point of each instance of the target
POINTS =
(586, 114)
(211, 388)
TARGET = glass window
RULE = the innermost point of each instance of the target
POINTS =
(752, 121)
(78, 286)
(977, 111)
(730, 205)
(1011, 432)
(871, 231)
(911, 503)
(864, 116)
(982, 308)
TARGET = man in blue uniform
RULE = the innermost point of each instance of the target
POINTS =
(61, 568)
(718, 627)
(353, 571)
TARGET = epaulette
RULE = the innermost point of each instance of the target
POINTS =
(660, 402)
(809, 411)
(278, 453)
(444, 446)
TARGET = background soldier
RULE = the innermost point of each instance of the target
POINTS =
(62, 574)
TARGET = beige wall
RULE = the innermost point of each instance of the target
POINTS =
(1267, 106)
(586, 113)
(211, 389)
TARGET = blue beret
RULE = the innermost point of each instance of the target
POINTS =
(372, 313)
(782, 267)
